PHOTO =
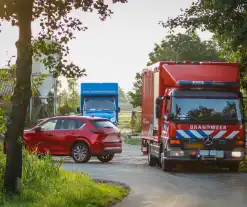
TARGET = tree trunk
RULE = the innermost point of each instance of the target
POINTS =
(20, 98)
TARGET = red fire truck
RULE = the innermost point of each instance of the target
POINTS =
(193, 112)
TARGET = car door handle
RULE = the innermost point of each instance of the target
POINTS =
(50, 135)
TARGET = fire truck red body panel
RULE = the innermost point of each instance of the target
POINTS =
(178, 85)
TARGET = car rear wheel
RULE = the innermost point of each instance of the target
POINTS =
(105, 158)
(80, 152)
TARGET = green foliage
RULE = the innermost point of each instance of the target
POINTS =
(45, 184)
(225, 18)
(237, 55)
(65, 109)
(2, 125)
(136, 123)
(62, 98)
(136, 92)
(184, 47)
(176, 47)
(73, 93)
(121, 95)
(57, 28)
(132, 141)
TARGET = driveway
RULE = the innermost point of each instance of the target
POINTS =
(152, 187)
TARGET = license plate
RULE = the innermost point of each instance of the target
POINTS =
(194, 146)
(215, 153)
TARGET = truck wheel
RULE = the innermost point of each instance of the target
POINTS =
(105, 158)
(234, 167)
(165, 165)
(152, 161)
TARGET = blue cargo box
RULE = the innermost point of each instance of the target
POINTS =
(92, 89)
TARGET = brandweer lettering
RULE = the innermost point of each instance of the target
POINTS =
(207, 127)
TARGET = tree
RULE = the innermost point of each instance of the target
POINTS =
(73, 93)
(122, 96)
(65, 109)
(135, 95)
(184, 47)
(59, 93)
(57, 27)
(176, 47)
(226, 20)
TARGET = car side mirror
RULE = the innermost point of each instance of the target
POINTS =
(118, 109)
(37, 129)
(78, 109)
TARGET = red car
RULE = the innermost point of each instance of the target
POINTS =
(77, 136)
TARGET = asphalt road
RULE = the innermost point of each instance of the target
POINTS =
(152, 187)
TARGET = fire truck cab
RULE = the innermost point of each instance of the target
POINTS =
(192, 112)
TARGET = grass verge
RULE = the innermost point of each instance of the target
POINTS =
(45, 184)
(243, 166)
(131, 141)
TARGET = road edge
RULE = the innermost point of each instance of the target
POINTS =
(121, 184)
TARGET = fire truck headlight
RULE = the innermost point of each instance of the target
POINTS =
(237, 154)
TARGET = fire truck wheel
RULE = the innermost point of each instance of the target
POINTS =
(234, 167)
(152, 161)
(165, 165)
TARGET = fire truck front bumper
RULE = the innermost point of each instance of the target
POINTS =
(205, 155)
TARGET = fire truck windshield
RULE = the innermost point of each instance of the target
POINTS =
(208, 109)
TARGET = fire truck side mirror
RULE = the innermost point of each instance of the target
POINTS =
(169, 117)
(158, 107)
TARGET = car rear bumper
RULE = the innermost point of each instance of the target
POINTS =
(103, 148)
(112, 150)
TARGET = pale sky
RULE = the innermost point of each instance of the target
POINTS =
(113, 50)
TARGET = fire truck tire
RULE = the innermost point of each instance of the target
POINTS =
(234, 167)
(152, 161)
(165, 165)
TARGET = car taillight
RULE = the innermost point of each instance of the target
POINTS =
(99, 132)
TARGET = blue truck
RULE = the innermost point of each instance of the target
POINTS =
(100, 100)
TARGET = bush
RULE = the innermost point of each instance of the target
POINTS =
(137, 123)
(45, 184)
(66, 109)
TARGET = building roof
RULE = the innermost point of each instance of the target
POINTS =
(6, 87)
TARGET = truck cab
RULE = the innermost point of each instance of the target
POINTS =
(100, 100)
(196, 115)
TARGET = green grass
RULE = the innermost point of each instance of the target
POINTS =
(132, 141)
(243, 166)
(124, 119)
(44, 183)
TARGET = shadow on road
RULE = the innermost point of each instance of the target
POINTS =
(200, 169)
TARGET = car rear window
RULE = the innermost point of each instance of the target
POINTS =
(103, 124)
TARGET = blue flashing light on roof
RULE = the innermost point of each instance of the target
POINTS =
(212, 83)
